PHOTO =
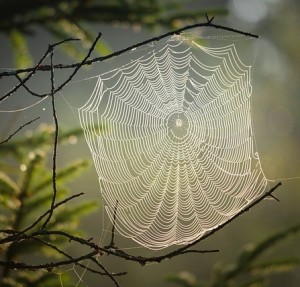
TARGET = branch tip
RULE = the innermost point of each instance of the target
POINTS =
(20, 128)
(209, 20)
(208, 23)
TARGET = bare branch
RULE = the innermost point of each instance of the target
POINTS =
(209, 20)
(139, 259)
(51, 265)
(180, 251)
(55, 119)
(29, 90)
(122, 51)
(13, 236)
(20, 128)
(107, 272)
(274, 197)
(112, 241)
(83, 62)
(200, 251)
(48, 211)
(22, 82)
(210, 233)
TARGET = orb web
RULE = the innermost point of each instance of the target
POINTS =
(176, 152)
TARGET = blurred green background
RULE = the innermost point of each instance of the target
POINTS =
(276, 120)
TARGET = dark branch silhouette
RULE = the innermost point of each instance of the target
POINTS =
(11, 236)
(139, 259)
(20, 128)
(55, 120)
(32, 71)
(137, 45)
(112, 240)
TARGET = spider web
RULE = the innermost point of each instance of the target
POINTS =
(172, 141)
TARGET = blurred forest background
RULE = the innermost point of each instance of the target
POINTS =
(276, 116)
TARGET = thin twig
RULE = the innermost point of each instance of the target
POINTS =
(210, 233)
(177, 252)
(48, 211)
(53, 92)
(208, 23)
(15, 236)
(274, 197)
(106, 271)
(54, 157)
(24, 266)
(143, 260)
(209, 20)
(182, 250)
(52, 46)
(112, 241)
(89, 256)
(29, 90)
(20, 128)
(32, 71)
(20, 236)
(195, 251)
(80, 64)
(22, 82)
(62, 85)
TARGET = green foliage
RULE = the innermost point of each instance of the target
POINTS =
(37, 279)
(246, 271)
(20, 49)
(184, 279)
(64, 19)
(41, 139)
(25, 193)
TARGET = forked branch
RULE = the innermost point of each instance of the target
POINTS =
(95, 250)
(208, 23)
